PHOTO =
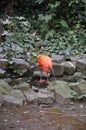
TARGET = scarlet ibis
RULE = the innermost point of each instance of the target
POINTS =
(45, 64)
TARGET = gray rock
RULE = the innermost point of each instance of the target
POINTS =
(45, 97)
(1, 50)
(37, 73)
(84, 56)
(3, 91)
(74, 78)
(81, 66)
(7, 80)
(22, 86)
(79, 87)
(57, 58)
(36, 67)
(14, 100)
(17, 93)
(4, 63)
(69, 67)
(62, 91)
(15, 47)
(16, 97)
(58, 69)
(4, 87)
(2, 73)
(21, 65)
(21, 80)
(74, 58)
(35, 88)
(1, 99)
(2, 56)
(30, 96)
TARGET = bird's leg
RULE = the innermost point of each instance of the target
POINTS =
(47, 81)
(41, 80)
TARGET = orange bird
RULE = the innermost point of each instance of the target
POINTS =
(45, 64)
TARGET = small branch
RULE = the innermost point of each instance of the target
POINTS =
(48, 112)
(63, 115)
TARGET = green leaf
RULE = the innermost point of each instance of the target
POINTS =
(48, 18)
(44, 27)
(45, 18)
(41, 17)
(73, 1)
(49, 34)
(20, 18)
(84, 1)
(34, 60)
(39, 1)
(54, 5)
(68, 50)
(64, 23)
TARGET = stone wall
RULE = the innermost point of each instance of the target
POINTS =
(16, 75)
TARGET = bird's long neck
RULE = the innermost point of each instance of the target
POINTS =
(53, 72)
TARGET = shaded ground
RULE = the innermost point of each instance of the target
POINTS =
(35, 116)
(40, 117)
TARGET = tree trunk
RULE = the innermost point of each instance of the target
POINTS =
(9, 7)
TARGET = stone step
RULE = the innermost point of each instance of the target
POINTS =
(62, 91)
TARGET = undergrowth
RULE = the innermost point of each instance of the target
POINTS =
(22, 39)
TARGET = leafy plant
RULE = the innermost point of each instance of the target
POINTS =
(22, 41)
(54, 18)
(75, 96)
(20, 38)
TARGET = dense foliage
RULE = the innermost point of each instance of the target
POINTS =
(55, 26)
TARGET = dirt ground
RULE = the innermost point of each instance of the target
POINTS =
(39, 117)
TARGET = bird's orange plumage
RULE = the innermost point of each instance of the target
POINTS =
(45, 63)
